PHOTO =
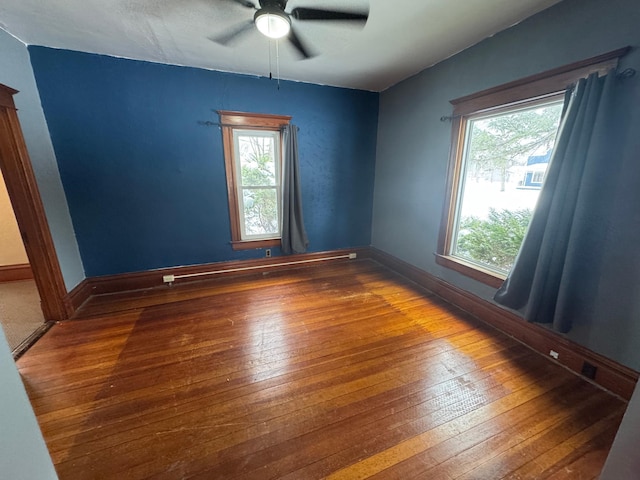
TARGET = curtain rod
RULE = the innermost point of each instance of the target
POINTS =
(623, 75)
(208, 123)
(448, 118)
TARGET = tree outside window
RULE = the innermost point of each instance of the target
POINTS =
(497, 190)
(259, 192)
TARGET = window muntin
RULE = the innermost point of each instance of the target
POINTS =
(496, 194)
(258, 162)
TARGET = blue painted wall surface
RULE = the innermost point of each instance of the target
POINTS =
(16, 72)
(146, 183)
(413, 144)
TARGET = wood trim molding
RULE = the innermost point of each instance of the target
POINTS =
(27, 205)
(229, 166)
(28, 342)
(610, 374)
(253, 244)
(469, 270)
(154, 278)
(6, 96)
(453, 178)
(252, 120)
(76, 297)
(12, 273)
(540, 84)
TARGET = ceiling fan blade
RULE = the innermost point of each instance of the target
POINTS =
(302, 49)
(230, 35)
(245, 3)
(318, 14)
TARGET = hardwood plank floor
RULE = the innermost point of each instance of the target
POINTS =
(340, 371)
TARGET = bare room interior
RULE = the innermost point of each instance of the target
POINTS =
(270, 239)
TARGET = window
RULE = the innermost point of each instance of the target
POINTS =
(502, 139)
(537, 177)
(257, 163)
(496, 192)
(253, 162)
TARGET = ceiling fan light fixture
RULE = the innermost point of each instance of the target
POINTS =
(272, 23)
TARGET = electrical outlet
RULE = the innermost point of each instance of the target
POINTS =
(267, 253)
(589, 370)
(554, 354)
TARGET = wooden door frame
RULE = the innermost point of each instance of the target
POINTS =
(29, 211)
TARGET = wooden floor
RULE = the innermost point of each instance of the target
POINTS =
(341, 371)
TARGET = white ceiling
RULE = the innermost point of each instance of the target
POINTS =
(401, 38)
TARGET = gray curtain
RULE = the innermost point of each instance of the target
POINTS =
(294, 236)
(557, 276)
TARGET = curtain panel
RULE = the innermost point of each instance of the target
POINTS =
(294, 235)
(570, 268)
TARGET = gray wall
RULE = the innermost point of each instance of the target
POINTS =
(413, 145)
(16, 72)
(623, 462)
(23, 453)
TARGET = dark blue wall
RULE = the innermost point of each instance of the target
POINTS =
(146, 183)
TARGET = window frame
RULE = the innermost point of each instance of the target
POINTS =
(535, 88)
(467, 119)
(241, 186)
(537, 177)
(231, 121)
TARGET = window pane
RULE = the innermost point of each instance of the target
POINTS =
(257, 160)
(505, 160)
(260, 211)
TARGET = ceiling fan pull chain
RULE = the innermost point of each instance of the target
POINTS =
(278, 62)
(269, 46)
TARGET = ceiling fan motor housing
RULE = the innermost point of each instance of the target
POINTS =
(274, 4)
(271, 20)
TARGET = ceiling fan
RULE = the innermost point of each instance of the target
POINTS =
(274, 22)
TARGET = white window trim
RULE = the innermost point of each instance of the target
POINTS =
(237, 132)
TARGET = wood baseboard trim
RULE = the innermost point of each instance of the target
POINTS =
(77, 296)
(27, 343)
(154, 278)
(12, 273)
(610, 374)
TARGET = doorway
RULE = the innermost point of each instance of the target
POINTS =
(21, 315)
(22, 190)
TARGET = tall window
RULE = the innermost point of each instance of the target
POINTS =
(257, 163)
(497, 188)
(502, 139)
(253, 161)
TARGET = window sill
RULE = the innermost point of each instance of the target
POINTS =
(468, 269)
(253, 244)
